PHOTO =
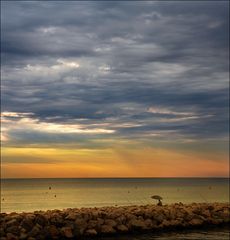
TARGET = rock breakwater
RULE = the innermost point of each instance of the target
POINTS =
(93, 222)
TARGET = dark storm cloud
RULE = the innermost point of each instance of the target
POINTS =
(132, 56)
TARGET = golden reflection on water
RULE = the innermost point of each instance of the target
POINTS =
(42, 194)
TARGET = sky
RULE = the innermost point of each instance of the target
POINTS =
(114, 89)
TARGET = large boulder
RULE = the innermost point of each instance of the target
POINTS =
(149, 223)
(107, 229)
(12, 222)
(27, 224)
(136, 224)
(121, 219)
(80, 226)
(10, 236)
(159, 218)
(56, 219)
(13, 229)
(91, 232)
(122, 228)
(71, 216)
(35, 231)
(23, 236)
(196, 222)
(67, 232)
(110, 222)
(41, 220)
(52, 232)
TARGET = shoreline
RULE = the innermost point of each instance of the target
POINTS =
(96, 222)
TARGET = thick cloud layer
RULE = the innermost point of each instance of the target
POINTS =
(114, 70)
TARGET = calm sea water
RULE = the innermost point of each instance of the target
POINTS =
(41, 194)
(34, 194)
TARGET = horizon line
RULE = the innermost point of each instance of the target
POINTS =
(194, 177)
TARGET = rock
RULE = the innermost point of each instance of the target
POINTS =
(70, 223)
(52, 232)
(210, 208)
(197, 211)
(35, 231)
(224, 215)
(91, 232)
(13, 229)
(148, 223)
(23, 236)
(159, 218)
(11, 222)
(176, 222)
(56, 220)
(110, 222)
(166, 223)
(80, 226)
(67, 232)
(10, 236)
(2, 232)
(136, 224)
(27, 224)
(107, 229)
(18, 217)
(92, 224)
(206, 213)
(138, 212)
(30, 216)
(196, 222)
(180, 213)
(215, 221)
(100, 221)
(121, 219)
(71, 216)
(122, 228)
(8, 217)
(148, 214)
(2, 215)
(85, 215)
(95, 214)
(188, 217)
(22, 230)
(41, 220)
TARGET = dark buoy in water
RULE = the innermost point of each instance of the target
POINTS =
(55, 195)
(3, 199)
(49, 188)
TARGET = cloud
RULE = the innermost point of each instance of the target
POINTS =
(14, 115)
(23, 127)
(120, 70)
(167, 111)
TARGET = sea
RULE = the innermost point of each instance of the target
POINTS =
(26, 195)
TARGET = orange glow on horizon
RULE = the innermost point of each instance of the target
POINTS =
(120, 162)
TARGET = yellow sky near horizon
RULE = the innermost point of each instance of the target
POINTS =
(110, 162)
